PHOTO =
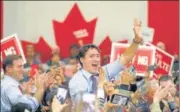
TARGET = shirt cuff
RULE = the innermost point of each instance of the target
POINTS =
(113, 69)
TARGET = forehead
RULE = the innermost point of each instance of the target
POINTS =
(165, 82)
(74, 48)
(92, 51)
(18, 62)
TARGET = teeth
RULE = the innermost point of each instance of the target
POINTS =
(94, 64)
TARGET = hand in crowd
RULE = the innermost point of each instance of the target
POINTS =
(109, 88)
(45, 109)
(126, 78)
(102, 78)
(172, 90)
(152, 86)
(135, 96)
(42, 80)
(56, 106)
(108, 106)
(27, 87)
(49, 78)
(147, 75)
(170, 97)
(137, 30)
(160, 94)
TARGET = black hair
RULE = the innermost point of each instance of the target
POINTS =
(21, 107)
(83, 50)
(8, 61)
(165, 78)
(74, 46)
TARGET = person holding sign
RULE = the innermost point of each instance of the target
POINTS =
(85, 79)
(11, 91)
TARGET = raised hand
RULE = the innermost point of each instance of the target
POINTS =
(137, 30)
(102, 78)
(126, 78)
(160, 94)
(109, 88)
(56, 106)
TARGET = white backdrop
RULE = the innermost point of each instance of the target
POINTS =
(31, 19)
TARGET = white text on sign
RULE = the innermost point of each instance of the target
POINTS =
(142, 60)
(80, 33)
(163, 65)
(9, 51)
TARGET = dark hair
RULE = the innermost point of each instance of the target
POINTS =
(21, 107)
(72, 58)
(165, 78)
(74, 46)
(8, 61)
(84, 49)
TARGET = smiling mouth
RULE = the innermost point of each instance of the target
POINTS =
(95, 65)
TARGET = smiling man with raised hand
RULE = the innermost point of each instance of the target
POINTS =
(89, 57)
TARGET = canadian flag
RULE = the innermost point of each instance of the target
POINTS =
(46, 23)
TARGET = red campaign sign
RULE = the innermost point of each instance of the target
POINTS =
(144, 57)
(11, 45)
(163, 60)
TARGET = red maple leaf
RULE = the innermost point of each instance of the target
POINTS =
(105, 48)
(41, 47)
(74, 29)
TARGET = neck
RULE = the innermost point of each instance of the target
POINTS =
(90, 71)
(11, 75)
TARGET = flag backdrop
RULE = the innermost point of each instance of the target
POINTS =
(46, 23)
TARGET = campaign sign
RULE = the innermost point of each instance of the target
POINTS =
(11, 45)
(163, 60)
(145, 56)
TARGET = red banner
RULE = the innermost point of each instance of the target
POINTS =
(164, 61)
(144, 57)
(11, 45)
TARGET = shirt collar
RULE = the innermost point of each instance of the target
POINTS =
(86, 74)
(12, 80)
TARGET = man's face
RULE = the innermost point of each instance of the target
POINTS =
(91, 60)
(74, 51)
(161, 46)
(163, 84)
(171, 86)
(17, 69)
(30, 51)
(55, 58)
(58, 80)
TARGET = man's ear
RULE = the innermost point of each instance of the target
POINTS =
(8, 68)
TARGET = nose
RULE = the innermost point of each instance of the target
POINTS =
(97, 58)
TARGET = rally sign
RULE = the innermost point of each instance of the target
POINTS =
(11, 45)
(145, 56)
(163, 60)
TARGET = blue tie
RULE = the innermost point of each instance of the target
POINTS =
(94, 84)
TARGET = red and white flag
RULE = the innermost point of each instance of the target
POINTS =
(82, 22)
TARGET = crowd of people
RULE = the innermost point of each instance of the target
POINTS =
(79, 83)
